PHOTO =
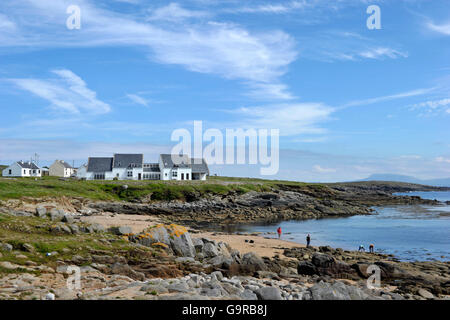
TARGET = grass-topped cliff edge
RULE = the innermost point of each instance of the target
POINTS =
(16, 188)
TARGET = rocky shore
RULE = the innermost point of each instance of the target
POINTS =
(38, 254)
(283, 202)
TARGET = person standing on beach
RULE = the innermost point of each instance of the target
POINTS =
(279, 232)
(361, 248)
(308, 240)
(371, 248)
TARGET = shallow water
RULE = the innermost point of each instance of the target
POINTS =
(411, 233)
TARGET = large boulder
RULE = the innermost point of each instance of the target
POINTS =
(173, 237)
(120, 231)
(210, 250)
(56, 214)
(324, 264)
(41, 212)
(253, 261)
(269, 293)
(337, 291)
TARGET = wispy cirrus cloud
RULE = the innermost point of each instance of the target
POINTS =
(227, 50)
(401, 95)
(138, 99)
(68, 92)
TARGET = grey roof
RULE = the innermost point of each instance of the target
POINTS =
(100, 164)
(201, 167)
(128, 160)
(27, 165)
(181, 161)
(186, 162)
(65, 164)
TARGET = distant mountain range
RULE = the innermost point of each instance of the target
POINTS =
(444, 182)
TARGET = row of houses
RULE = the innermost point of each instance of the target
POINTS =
(133, 167)
(118, 167)
(59, 168)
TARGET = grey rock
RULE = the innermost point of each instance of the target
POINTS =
(218, 275)
(336, 291)
(178, 287)
(253, 260)
(425, 294)
(68, 218)
(123, 230)
(185, 260)
(198, 244)
(248, 295)
(269, 293)
(56, 214)
(183, 246)
(41, 212)
(6, 247)
(159, 289)
(210, 250)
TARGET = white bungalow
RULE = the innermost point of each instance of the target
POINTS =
(22, 169)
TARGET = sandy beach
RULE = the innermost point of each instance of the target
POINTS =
(263, 246)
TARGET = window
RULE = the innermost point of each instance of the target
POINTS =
(99, 176)
(130, 174)
(9, 171)
(34, 171)
(187, 176)
(39, 171)
(182, 176)
(24, 171)
(174, 174)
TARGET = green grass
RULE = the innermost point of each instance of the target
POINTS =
(39, 236)
(151, 190)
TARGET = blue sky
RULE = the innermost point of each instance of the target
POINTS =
(349, 101)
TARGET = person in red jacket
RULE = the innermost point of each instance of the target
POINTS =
(279, 232)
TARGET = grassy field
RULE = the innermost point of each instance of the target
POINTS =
(15, 188)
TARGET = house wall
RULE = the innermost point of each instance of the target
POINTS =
(57, 169)
(16, 171)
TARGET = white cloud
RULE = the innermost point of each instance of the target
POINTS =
(382, 52)
(278, 8)
(443, 28)
(320, 169)
(265, 91)
(67, 93)
(401, 95)
(442, 159)
(433, 106)
(138, 99)
(227, 50)
(175, 13)
(290, 118)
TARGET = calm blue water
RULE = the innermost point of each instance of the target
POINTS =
(411, 233)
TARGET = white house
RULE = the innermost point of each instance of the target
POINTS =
(181, 167)
(132, 167)
(60, 168)
(22, 169)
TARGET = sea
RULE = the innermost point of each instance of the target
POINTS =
(410, 232)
